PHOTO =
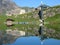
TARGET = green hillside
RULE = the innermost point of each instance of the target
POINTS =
(54, 22)
(30, 22)
(32, 26)
(54, 25)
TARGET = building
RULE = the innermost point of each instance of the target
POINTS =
(22, 11)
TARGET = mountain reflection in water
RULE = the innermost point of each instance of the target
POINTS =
(7, 39)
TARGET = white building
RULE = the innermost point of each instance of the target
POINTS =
(15, 32)
(22, 33)
(22, 11)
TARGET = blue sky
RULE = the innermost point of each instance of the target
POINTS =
(36, 3)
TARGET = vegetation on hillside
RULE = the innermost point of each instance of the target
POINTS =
(33, 19)
(53, 26)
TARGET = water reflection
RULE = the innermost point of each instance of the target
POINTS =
(9, 39)
(51, 41)
(27, 41)
(34, 41)
(6, 38)
(9, 36)
(51, 33)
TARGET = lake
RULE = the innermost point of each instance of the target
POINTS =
(33, 40)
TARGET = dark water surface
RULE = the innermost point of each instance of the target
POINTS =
(34, 41)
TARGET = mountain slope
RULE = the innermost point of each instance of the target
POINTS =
(53, 19)
(6, 5)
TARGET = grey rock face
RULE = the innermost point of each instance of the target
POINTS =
(6, 5)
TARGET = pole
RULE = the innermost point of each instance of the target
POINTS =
(41, 21)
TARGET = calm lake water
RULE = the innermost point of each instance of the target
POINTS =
(34, 41)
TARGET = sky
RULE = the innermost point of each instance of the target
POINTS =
(36, 3)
